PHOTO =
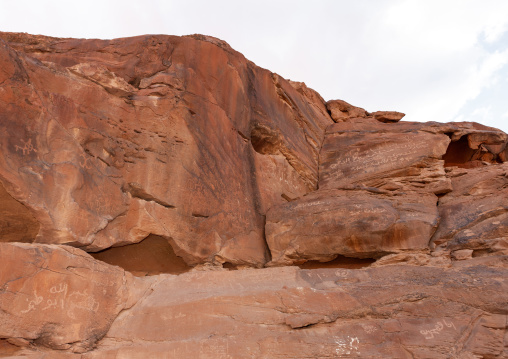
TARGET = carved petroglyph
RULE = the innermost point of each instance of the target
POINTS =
(347, 345)
(351, 210)
(27, 147)
(310, 204)
(219, 349)
(429, 334)
(342, 273)
(50, 304)
(58, 298)
(85, 161)
(369, 209)
(369, 328)
(99, 205)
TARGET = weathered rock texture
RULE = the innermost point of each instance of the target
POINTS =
(163, 154)
(59, 296)
(474, 216)
(179, 137)
(292, 313)
(355, 223)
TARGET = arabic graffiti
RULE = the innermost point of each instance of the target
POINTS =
(59, 298)
(429, 334)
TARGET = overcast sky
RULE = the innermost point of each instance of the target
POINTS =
(435, 60)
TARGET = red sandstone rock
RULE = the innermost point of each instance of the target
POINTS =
(343, 111)
(292, 313)
(404, 156)
(388, 116)
(182, 146)
(385, 156)
(60, 297)
(179, 137)
(354, 223)
(474, 216)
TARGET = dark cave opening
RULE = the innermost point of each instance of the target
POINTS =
(153, 255)
(459, 154)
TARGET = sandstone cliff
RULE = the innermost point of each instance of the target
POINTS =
(164, 197)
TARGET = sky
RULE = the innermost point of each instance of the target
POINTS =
(434, 60)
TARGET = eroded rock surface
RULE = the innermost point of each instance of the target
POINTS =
(179, 137)
(165, 154)
(474, 216)
(60, 297)
(405, 156)
(355, 223)
(293, 313)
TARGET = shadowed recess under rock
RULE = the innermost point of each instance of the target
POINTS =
(339, 262)
(153, 255)
(460, 154)
(16, 222)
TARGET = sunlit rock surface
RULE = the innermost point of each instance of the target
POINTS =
(185, 171)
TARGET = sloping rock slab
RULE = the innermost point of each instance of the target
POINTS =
(389, 156)
(404, 156)
(291, 313)
(355, 223)
(59, 297)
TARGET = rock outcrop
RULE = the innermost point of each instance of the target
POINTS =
(179, 137)
(59, 296)
(145, 182)
(355, 223)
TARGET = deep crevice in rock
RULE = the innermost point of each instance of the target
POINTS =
(460, 154)
(153, 255)
(230, 266)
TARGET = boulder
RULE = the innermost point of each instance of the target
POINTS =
(353, 223)
(59, 296)
(404, 156)
(474, 216)
(342, 111)
(388, 116)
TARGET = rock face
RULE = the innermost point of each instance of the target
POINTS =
(60, 297)
(183, 169)
(355, 223)
(179, 137)
(291, 313)
(474, 216)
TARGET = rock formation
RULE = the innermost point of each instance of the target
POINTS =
(158, 195)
